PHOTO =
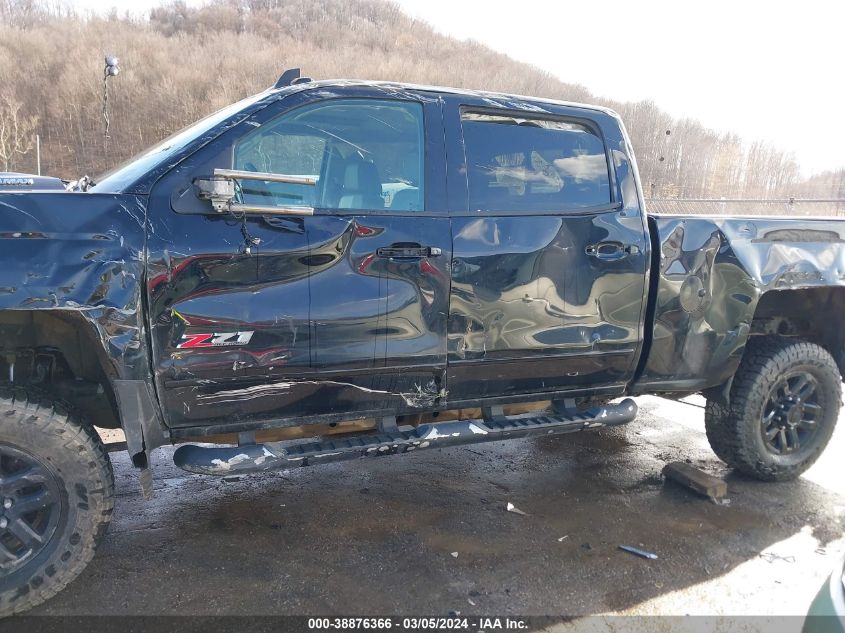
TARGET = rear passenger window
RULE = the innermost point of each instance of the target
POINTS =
(360, 154)
(522, 164)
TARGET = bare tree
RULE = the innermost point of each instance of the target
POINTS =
(18, 12)
(16, 132)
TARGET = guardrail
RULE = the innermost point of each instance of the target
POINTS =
(796, 207)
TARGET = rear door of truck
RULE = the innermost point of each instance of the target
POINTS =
(549, 263)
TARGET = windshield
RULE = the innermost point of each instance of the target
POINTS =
(128, 172)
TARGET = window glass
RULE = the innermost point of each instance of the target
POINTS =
(362, 154)
(525, 164)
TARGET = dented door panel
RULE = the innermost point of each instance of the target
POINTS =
(337, 329)
(528, 299)
(380, 315)
(533, 309)
(305, 316)
(258, 298)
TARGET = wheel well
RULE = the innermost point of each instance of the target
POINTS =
(57, 352)
(814, 314)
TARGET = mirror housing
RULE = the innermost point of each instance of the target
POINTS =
(220, 191)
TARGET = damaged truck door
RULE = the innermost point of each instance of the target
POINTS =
(328, 296)
(549, 271)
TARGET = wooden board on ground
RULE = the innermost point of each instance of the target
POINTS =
(696, 480)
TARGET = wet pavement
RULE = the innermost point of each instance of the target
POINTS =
(378, 536)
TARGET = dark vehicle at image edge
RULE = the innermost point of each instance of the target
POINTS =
(381, 268)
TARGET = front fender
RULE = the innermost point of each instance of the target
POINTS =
(79, 253)
(81, 258)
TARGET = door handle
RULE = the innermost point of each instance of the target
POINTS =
(408, 251)
(611, 251)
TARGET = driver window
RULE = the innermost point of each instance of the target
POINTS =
(360, 154)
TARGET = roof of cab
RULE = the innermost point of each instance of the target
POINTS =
(499, 99)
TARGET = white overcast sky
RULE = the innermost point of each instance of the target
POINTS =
(767, 70)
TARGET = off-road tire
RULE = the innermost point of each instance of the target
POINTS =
(78, 467)
(735, 433)
(716, 427)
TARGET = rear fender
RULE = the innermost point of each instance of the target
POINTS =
(714, 273)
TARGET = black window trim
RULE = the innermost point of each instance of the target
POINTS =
(614, 204)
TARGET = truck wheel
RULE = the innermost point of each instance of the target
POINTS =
(56, 499)
(785, 401)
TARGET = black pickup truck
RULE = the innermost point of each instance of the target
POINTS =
(344, 269)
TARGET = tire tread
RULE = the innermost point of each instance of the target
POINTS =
(82, 439)
(766, 357)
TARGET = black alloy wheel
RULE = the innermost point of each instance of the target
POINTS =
(30, 507)
(791, 414)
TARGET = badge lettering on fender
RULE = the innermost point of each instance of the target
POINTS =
(210, 339)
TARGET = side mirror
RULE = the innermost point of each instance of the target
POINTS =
(222, 189)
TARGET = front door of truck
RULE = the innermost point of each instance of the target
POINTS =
(549, 268)
(337, 311)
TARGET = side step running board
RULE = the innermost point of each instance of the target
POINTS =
(275, 455)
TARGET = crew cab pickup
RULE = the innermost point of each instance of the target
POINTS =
(346, 269)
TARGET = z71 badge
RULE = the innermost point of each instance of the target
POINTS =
(222, 339)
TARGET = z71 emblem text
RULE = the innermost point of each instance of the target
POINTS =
(211, 339)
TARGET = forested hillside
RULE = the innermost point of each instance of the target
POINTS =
(182, 63)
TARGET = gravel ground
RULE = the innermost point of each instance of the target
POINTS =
(428, 533)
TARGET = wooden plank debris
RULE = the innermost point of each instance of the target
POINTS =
(696, 479)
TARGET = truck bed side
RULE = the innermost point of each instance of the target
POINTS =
(721, 279)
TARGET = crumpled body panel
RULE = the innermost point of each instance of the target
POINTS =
(79, 253)
(712, 273)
